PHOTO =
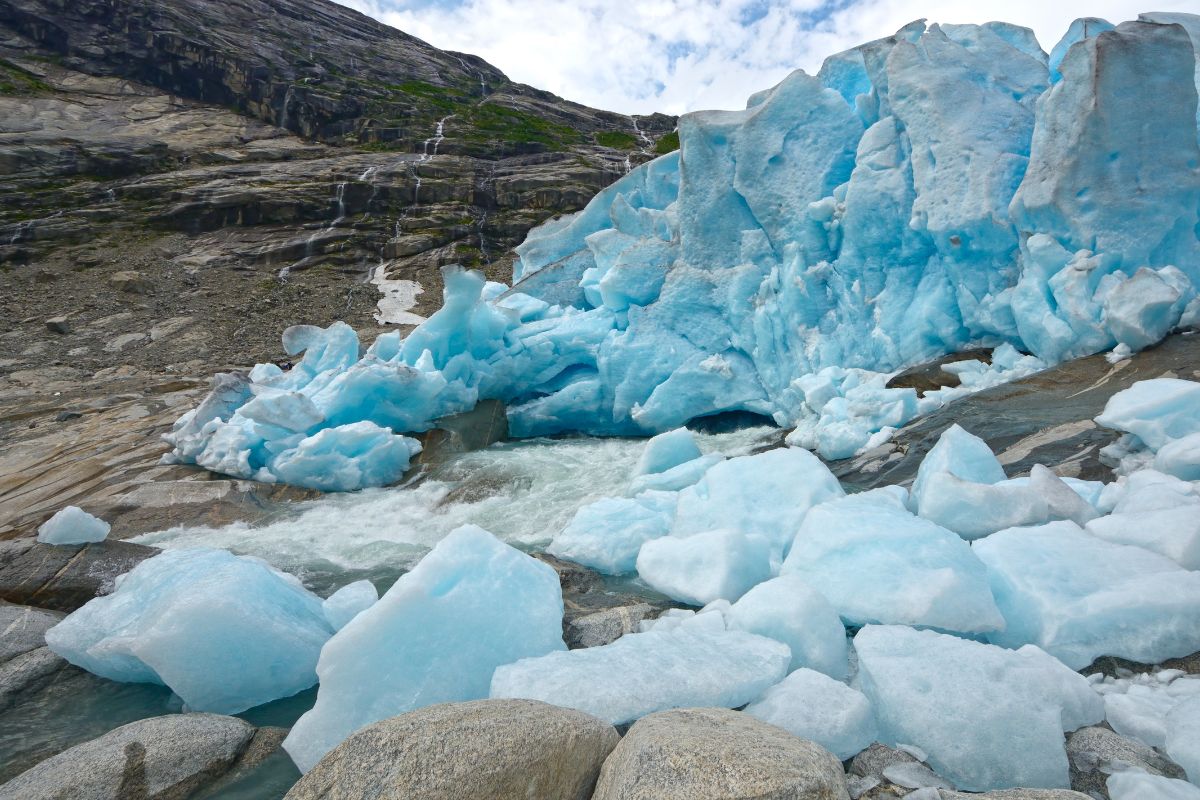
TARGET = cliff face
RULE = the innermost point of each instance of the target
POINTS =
(258, 163)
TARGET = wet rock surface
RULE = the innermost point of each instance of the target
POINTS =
(719, 755)
(1043, 419)
(1096, 752)
(64, 577)
(163, 757)
(501, 749)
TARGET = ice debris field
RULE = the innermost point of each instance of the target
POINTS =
(947, 187)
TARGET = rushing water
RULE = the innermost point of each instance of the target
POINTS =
(523, 492)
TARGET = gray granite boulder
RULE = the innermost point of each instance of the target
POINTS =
(161, 758)
(498, 749)
(717, 754)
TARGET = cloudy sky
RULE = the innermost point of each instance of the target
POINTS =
(639, 56)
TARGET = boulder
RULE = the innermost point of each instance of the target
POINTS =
(717, 754)
(25, 662)
(161, 758)
(1094, 752)
(64, 578)
(498, 749)
(129, 281)
(603, 627)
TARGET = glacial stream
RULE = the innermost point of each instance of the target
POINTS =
(523, 492)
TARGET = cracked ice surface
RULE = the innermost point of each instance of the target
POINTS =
(939, 189)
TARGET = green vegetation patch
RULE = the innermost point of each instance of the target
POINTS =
(16, 82)
(667, 144)
(489, 121)
(618, 140)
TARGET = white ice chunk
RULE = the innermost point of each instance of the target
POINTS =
(961, 454)
(1180, 457)
(606, 535)
(641, 673)
(790, 611)
(989, 718)
(667, 451)
(223, 632)
(698, 569)
(877, 563)
(346, 458)
(1183, 737)
(1136, 785)
(348, 602)
(766, 494)
(816, 707)
(472, 604)
(675, 478)
(73, 525)
(1080, 597)
(1172, 532)
(1156, 411)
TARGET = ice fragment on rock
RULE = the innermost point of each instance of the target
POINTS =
(73, 525)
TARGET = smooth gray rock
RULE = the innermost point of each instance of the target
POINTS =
(1016, 794)
(161, 758)
(26, 673)
(717, 754)
(1094, 751)
(495, 749)
(23, 628)
(603, 627)
(871, 763)
(64, 577)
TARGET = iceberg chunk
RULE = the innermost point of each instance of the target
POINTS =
(472, 604)
(987, 717)
(606, 535)
(641, 673)
(814, 706)
(668, 450)
(788, 610)
(1137, 785)
(1180, 457)
(1156, 411)
(1183, 737)
(223, 632)
(745, 494)
(347, 458)
(348, 602)
(73, 525)
(698, 569)
(961, 454)
(877, 563)
(1079, 597)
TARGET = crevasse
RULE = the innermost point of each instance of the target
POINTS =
(950, 185)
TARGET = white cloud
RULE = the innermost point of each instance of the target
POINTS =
(684, 55)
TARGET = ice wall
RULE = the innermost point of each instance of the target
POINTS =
(947, 186)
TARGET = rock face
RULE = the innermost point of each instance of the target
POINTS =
(64, 577)
(1046, 418)
(717, 754)
(499, 749)
(1094, 753)
(163, 758)
(26, 663)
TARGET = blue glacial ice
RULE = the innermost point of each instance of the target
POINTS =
(641, 673)
(1138, 785)
(1142, 705)
(702, 567)
(946, 187)
(223, 632)
(988, 718)
(72, 525)
(790, 611)
(1183, 737)
(608, 534)
(877, 563)
(348, 602)
(814, 706)
(472, 604)
(1079, 597)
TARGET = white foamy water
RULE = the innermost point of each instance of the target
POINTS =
(524, 492)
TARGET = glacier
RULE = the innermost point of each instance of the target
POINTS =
(948, 186)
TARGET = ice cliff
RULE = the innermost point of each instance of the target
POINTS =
(947, 186)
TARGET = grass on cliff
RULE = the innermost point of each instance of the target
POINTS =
(618, 140)
(16, 82)
(667, 144)
(490, 122)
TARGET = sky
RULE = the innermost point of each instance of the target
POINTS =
(641, 56)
